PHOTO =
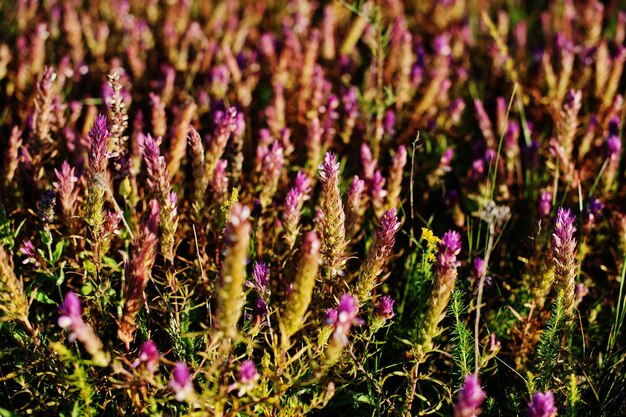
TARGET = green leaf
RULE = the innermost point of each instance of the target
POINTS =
(86, 289)
(58, 250)
(6, 413)
(43, 298)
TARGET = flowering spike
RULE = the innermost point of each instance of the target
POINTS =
(564, 257)
(332, 224)
(302, 289)
(138, 270)
(354, 207)
(66, 190)
(384, 239)
(293, 205)
(159, 183)
(394, 186)
(232, 278)
(445, 275)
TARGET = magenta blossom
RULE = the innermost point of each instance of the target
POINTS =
(344, 317)
(542, 405)
(470, 398)
(148, 356)
(181, 382)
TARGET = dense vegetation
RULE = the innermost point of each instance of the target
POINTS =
(287, 208)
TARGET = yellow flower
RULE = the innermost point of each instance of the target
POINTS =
(234, 199)
(431, 243)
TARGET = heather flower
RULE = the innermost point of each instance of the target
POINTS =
(261, 275)
(394, 185)
(341, 320)
(332, 224)
(594, 210)
(299, 298)
(384, 307)
(354, 207)
(97, 182)
(389, 123)
(178, 144)
(485, 124)
(200, 180)
(293, 206)
(138, 270)
(148, 356)
(564, 257)
(226, 123)
(542, 405)
(567, 124)
(159, 118)
(581, 291)
(28, 250)
(272, 168)
(379, 252)
(219, 182)
(71, 320)
(378, 192)
(445, 275)
(470, 398)
(118, 115)
(159, 183)
(11, 155)
(613, 146)
(351, 111)
(247, 373)
(181, 382)
(66, 189)
(233, 274)
(545, 204)
(42, 117)
(369, 164)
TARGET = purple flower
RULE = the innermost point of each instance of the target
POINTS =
(581, 291)
(302, 183)
(389, 122)
(247, 373)
(70, 312)
(261, 274)
(470, 398)
(181, 381)
(594, 209)
(384, 307)
(99, 136)
(563, 241)
(369, 164)
(542, 405)
(260, 308)
(448, 249)
(545, 204)
(613, 147)
(477, 267)
(343, 317)
(331, 316)
(148, 355)
(378, 189)
(329, 169)
(27, 249)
